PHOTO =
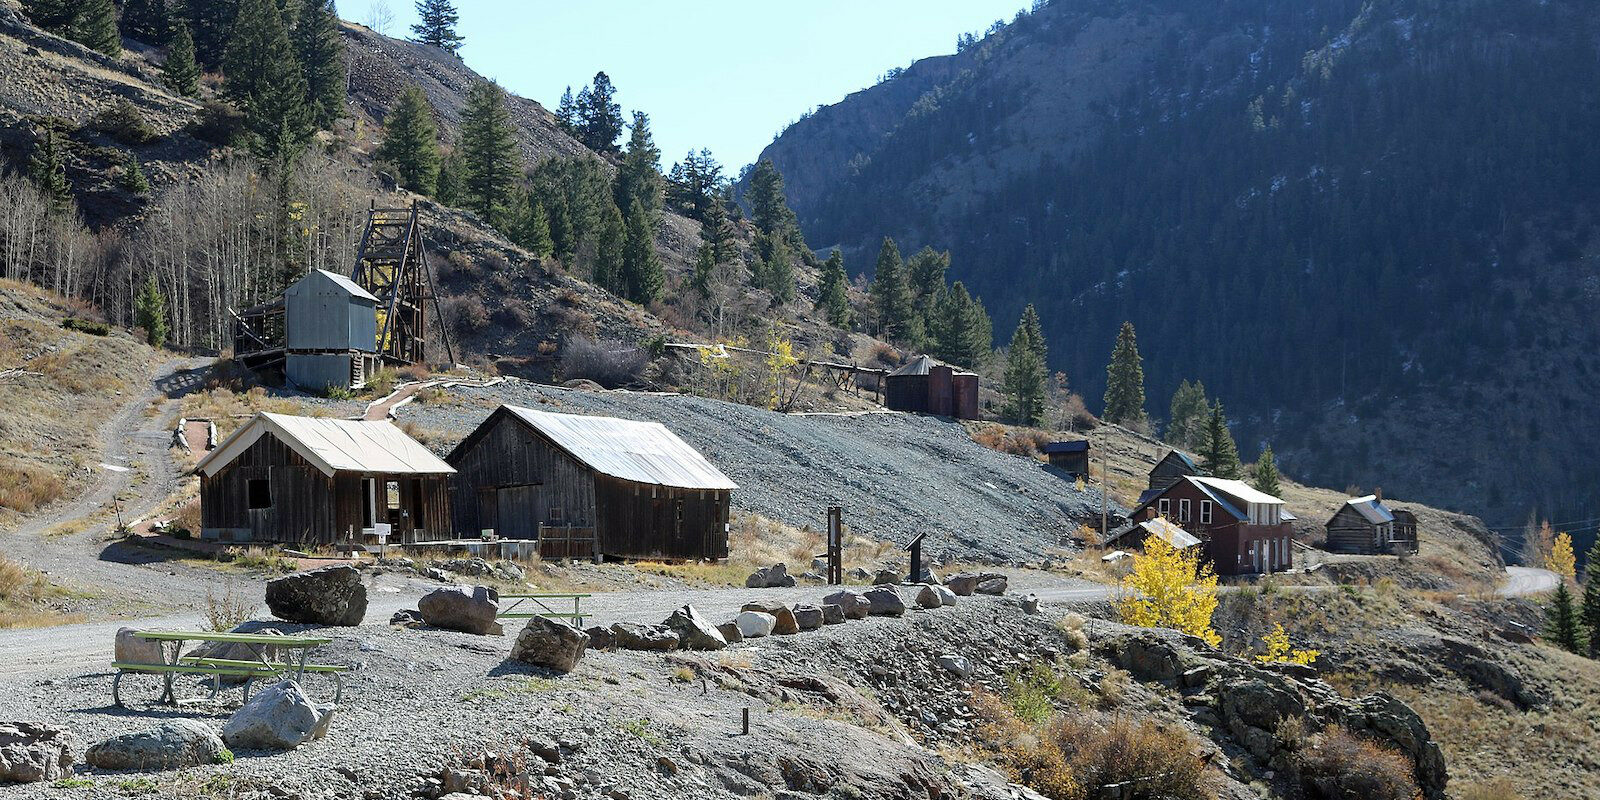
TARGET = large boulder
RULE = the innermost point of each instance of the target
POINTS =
(458, 608)
(132, 649)
(808, 617)
(694, 631)
(963, 584)
(854, 605)
(31, 752)
(992, 583)
(784, 625)
(328, 596)
(884, 601)
(173, 744)
(279, 717)
(634, 636)
(774, 577)
(946, 597)
(755, 624)
(887, 576)
(730, 632)
(601, 637)
(928, 597)
(550, 643)
(832, 614)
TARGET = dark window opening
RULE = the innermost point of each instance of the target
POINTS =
(260, 491)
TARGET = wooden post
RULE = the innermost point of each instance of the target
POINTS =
(746, 721)
(835, 545)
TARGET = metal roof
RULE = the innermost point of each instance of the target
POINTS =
(349, 286)
(1371, 509)
(1169, 532)
(1067, 447)
(642, 452)
(1237, 489)
(333, 445)
(922, 364)
(1187, 461)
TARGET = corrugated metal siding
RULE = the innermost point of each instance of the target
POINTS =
(322, 313)
(317, 371)
(642, 452)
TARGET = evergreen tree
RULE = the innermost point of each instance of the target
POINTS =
(567, 112)
(1026, 373)
(642, 276)
(411, 142)
(1219, 456)
(639, 177)
(833, 297)
(1124, 400)
(695, 186)
(263, 77)
(716, 231)
(1591, 599)
(891, 295)
(452, 187)
(774, 269)
(210, 23)
(610, 245)
(317, 42)
(769, 210)
(959, 329)
(925, 273)
(145, 20)
(599, 115)
(1265, 477)
(437, 24)
(703, 280)
(488, 152)
(150, 313)
(96, 27)
(49, 171)
(133, 178)
(1561, 620)
(179, 70)
(56, 16)
(1189, 412)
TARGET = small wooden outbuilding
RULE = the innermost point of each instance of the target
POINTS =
(590, 486)
(1365, 525)
(1071, 457)
(309, 481)
(927, 386)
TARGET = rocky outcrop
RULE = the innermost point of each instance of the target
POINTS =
(279, 717)
(174, 744)
(457, 608)
(31, 752)
(551, 644)
(694, 631)
(328, 596)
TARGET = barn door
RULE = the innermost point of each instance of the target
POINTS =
(518, 511)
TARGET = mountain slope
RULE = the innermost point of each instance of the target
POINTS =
(1364, 225)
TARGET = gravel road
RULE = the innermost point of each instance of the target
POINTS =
(896, 475)
(1524, 581)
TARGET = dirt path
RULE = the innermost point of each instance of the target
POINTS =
(1524, 581)
(384, 407)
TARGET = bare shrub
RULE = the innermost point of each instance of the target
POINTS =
(227, 611)
(610, 364)
(886, 355)
(466, 313)
(1340, 764)
(1025, 442)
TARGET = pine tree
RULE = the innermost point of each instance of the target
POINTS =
(959, 327)
(567, 112)
(833, 297)
(179, 70)
(211, 23)
(769, 210)
(610, 244)
(49, 171)
(150, 313)
(599, 115)
(262, 76)
(437, 24)
(1189, 413)
(716, 231)
(133, 178)
(1219, 456)
(695, 186)
(452, 188)
(317, 42)
(1265, 477)
(639, 177)
(774, 269)
(56, 16)
(1124, 400)
(703, 280)
(1561, 620)
(411, 142)
(891, 294)
(1026, 371)
(642, 276)
(925, 273)
(530, 225)
(145, 20)
(96, 27)
(1591, 599)
(488, 152)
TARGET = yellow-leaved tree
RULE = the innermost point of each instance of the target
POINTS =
(1279, 651)
(1170, 588)
(780, 359)
(1561, 560)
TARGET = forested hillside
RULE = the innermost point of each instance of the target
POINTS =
(1365, 226)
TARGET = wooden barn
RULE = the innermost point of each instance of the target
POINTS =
(1365, 525)
(590, 487)
(1070, 457)
(1242, 531)
(308, 481)
(927, 386)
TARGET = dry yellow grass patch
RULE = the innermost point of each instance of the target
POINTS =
(24, 598)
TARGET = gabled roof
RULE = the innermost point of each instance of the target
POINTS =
(1237, 489)
(642, 452)
(922, 364)
(349, 286)
(332, 445)
(1168, 532)
(1182, 459)
(1371, 509)
(1067, 447)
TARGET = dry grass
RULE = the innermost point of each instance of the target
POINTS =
(25, 597)
(228, 610)
(1026, 442)
(1358, 767)
(27, 490)
(230, 409)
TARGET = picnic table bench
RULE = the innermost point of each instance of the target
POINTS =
(291, 650)
(537, 607)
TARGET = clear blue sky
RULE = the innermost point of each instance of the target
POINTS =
(722, 74)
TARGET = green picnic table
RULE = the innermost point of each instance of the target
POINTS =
(537, 607)
(261, 664)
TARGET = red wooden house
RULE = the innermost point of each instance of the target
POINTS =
(1242, 531)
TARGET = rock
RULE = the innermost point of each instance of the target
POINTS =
(814, 577)
(755, 624)
(946, 597)
(439, 575)
(992, 583)
(279, 717)
(131, 649)
(1390, 719)
(730, 632)
(963, 584)
(785, 624)
(819, 565)
(854, 605)
(774, 577)
(601, 638)
(31, 752)
(1146, 654)
(1030, 603)
(471, 567)
(328, 596)
(887, 577)
(406, 618)
(457, 608)
(550, 643)
(928, 597)
(956, 664)
(884, 601)
(235, 651)
(860, 574)
(694, 631)
(634, 636)
(173, 744)
(1517, 632)
(1252, 707)
(509, 571)
(832, 614)
(808, 617)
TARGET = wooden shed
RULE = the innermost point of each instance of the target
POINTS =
(590, 486)
(1365, 525)
(309, 481)
(1071, 457)
(927, 386)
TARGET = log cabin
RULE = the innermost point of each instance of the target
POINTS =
(586, 486)
(1367, 526)
(308, 481)
(1242, 531)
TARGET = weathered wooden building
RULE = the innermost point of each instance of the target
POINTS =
(1172, 467)
(1071, 457)
(927, 386)
(1365, 525)
(1242, 531)
(1135, 534)
(309, 481)
(331, 331)
(590, 486)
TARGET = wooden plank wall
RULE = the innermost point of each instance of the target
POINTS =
(509, 453)
(641, 521)
(302, 508)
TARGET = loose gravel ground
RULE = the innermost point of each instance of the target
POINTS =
(896, 475)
